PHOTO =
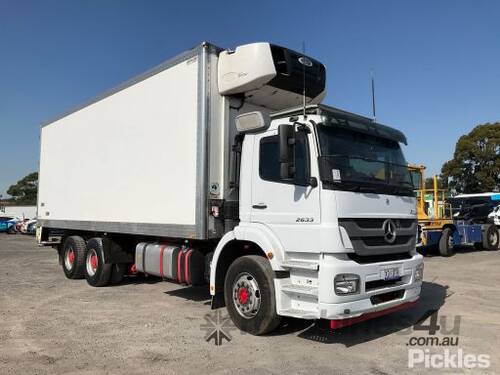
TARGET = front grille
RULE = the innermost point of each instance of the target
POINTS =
(379, 284)
(367, 235)
(380, 241)
(367, 259)
(377, 223)
(386, 297)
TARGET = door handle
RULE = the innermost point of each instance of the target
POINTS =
(260, 206)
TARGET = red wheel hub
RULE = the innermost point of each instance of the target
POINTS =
(93, 261)
(71, 256)
(243, 295)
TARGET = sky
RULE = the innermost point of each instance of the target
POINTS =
(436, 63)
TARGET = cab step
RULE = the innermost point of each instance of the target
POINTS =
(300, 265)
(301, 314)
(300, 289)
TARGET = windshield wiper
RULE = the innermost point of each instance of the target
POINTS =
(373, 179)
(366, 189)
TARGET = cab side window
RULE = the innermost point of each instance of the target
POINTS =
(269, 164)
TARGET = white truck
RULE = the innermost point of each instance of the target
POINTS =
(220, 167)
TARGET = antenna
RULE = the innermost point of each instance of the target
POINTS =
(373, 97)
(304, 80)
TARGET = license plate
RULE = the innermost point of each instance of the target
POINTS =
(390, 273)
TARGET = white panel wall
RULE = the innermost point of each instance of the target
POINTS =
(130, 157)
(21, 212)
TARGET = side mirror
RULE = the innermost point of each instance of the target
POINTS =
(286, 135)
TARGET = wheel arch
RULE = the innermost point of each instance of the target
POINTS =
(248, 240)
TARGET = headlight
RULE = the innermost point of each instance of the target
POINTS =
(419, 272)
(346, 283)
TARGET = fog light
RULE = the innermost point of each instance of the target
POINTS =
(419, 272)
(346, 283)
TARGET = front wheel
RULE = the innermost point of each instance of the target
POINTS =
(250, 296)
(490, 237)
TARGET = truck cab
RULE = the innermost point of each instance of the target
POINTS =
(328, 195)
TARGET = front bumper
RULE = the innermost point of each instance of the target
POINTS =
(340, 323)
(369, 299)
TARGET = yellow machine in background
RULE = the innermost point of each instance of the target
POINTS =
(439, 227)
(435, 217)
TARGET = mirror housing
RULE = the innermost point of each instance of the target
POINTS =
(313, 182)
(286, 135)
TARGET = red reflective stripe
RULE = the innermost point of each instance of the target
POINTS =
(186, 266)
(162, 249)
(179, 276)
(340, 323)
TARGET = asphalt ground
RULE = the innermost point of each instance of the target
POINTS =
(52, 325)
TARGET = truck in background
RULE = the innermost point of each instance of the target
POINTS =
(241, 179)
(472, 225)
(449, 222)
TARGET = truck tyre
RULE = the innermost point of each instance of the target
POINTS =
(490, 237)
(73, 257)
(446, 243)
(97, 272)
(250, 296)
(117, 273)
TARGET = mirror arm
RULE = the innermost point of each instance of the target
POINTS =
(301, 127)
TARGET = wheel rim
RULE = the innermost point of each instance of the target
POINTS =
(69, 259)
(246, 295)
(493, 237)
(92, 262)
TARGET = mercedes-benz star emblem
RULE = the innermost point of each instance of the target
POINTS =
(389, 228)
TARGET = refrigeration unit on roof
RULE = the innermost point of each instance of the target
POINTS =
(268, 75)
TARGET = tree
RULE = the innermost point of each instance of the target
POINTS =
(475, 167)
(25, 190)
(429, 183)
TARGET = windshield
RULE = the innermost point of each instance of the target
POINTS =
(351, 160)
(416, 177)
(458, 203)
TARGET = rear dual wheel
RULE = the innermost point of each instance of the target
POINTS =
(73, 257)
(97, 272)
(82, 259)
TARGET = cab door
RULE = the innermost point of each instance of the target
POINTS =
(291, 209)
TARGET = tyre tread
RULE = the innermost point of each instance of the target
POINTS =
(267, 319)
(103, 273)
(79, 247)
